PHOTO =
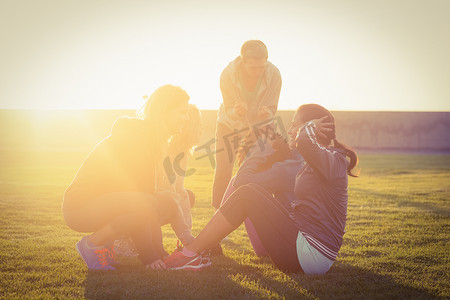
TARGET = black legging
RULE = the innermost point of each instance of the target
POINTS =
(128, 213)
(275, 229)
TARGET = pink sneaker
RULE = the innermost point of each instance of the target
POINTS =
(179, 261)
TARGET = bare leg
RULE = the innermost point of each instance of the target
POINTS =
(217, 228)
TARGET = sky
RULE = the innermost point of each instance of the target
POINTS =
(379, 55)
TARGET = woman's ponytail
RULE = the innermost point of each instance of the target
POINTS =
(350, 154)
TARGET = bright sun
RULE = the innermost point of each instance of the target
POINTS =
(341, 56)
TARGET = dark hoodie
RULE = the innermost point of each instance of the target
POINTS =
(320, 211)
(122, 162)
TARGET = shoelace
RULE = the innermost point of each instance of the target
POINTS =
(101, 257)
(111, 252)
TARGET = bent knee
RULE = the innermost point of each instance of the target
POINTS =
(245, 194)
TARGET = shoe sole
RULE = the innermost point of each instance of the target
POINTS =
(198, 267)
(192, 268)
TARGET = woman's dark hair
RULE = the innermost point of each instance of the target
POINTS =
(308, 112)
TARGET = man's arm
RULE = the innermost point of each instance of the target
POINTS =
(230, 95)
(271, 98)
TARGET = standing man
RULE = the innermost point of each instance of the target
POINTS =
(250, 87)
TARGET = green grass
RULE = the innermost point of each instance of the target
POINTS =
(396, 245)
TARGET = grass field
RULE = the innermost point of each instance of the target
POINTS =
(396, 245)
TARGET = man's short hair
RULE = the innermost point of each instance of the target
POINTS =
(254, 49)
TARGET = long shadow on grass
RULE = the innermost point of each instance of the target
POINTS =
(252, 279)
(224, 280)
(349, 282)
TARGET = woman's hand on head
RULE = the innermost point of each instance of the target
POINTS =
(157, 265)
(323, 128)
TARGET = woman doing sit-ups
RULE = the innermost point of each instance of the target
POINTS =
(307, 235)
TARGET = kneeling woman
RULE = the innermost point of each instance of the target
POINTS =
(309, 235)
(114, 192)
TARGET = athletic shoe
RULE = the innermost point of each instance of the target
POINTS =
(96, 258)
(111, 257)
(179, 261)
(205, 254)
(125, 247)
